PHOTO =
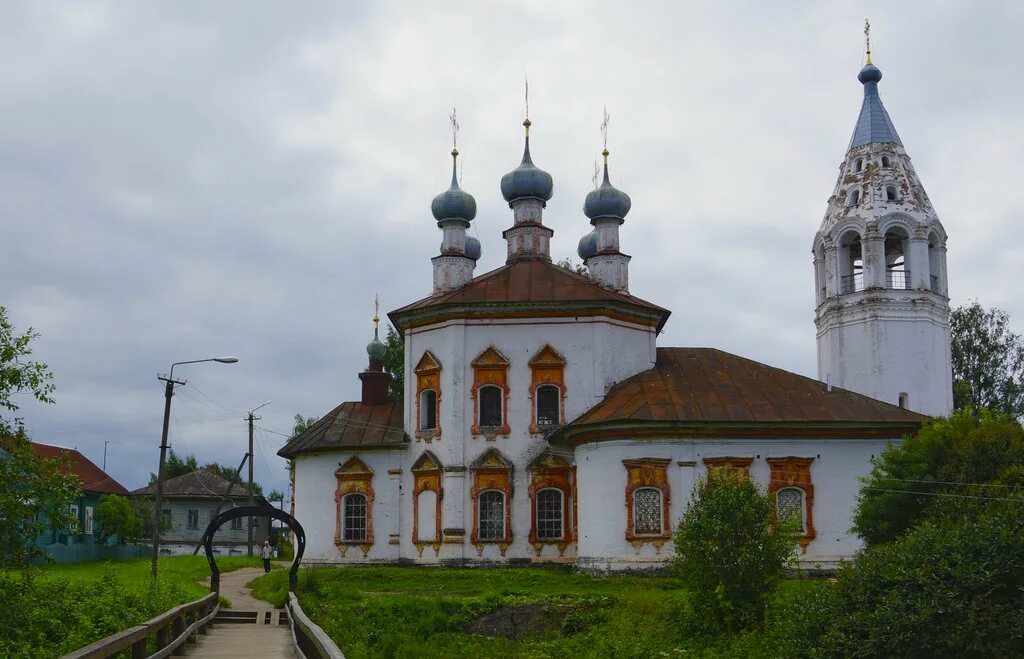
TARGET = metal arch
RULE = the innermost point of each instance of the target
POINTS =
(255, 511)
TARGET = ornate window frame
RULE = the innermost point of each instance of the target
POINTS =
(648, 473)
(732, 463)
(549, 471)
(492, 471)
(353, 477)
(546, 367)
(428, 376)
(490, 368)
(426, 477)
(794, 472)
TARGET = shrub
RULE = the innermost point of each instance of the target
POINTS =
(945, 457)
(944, 589)
(729, 551)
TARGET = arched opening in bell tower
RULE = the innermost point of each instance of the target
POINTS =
(851, 263)
(897, 267)
(934, 263)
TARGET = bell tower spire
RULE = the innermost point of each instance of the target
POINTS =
(880, 271)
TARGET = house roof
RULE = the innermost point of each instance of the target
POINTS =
(352, 425)
(93, 478)
(527, 287)
(708, 391)
(199, 484)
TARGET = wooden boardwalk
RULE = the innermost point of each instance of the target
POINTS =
(264, 639)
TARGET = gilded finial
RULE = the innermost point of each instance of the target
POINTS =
(376, 314)
(604, 132)
(867, 38)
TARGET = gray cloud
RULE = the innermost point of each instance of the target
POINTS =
(178, 181)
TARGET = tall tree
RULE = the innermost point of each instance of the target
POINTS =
(988, 360)
(176, 465)
(35, 493)
(394, 363)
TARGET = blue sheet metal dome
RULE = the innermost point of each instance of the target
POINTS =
(375, 349)
(607, 200)
(870, 73)
(527, 181)
(473, 249)
(588, 245)
(454, 203)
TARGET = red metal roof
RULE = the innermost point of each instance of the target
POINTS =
(704, 387)
(93, 478)
(524, 286)
(352, 425)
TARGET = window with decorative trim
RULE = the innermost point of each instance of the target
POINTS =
(551, 487)
(426, 502)
(428, 397)
(354, 518)
(547, 389)
(354, 505)
(490, 394)
(193, 518)
(732, 463)
(789, 504)
(88, 520)
(491, 521)
(647, 511)
(647, 501)
(492, 472)
(73, 525)
(794, 473)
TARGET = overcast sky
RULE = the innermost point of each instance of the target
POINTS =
(183, 180)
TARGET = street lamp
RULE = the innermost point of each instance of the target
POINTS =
(168, 392)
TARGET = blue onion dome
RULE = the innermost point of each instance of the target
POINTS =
(870, 73)
(607, 201)
(375, 349)
(473, 249)
(588, 245)
(527, 181)
(454, 203)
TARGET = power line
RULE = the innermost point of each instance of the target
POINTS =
(946, 494)
(908, 480)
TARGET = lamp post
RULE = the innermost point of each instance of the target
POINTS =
(168, 392)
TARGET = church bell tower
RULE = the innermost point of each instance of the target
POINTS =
(882, 311)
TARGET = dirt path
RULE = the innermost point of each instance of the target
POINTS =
(232, 587)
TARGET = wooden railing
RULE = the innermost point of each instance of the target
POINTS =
(171, 630)
(311, 642)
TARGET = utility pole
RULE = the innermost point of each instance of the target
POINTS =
(105, 442)
(252, 418)
(168, 393)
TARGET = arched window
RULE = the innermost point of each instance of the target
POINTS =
(428, 409)
(886, 163)
(490, 406)
(853, 199)
(897, 270)
(891, 194)
(647, 514)
(789, 504)
(491, 522)
(354, 518)
(934, 263)
(550, 525)
(851, 263)
(548, 405)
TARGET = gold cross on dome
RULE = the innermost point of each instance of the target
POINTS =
(604, 128)
(455, 129)
(867, 38)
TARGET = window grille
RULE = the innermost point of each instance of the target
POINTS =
(789, 503)
(647, 515)
(428, 410)
(492, 516)
(548, 405)
(354, 529)
(490, 407)
(549, 515)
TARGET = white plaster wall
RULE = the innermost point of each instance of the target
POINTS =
(880, 350)
(315, 508)
(601, 487)
(598, 352)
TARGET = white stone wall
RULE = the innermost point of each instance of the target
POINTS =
(602, 479)
(316, 511)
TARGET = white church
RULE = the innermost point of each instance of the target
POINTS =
(542, 422)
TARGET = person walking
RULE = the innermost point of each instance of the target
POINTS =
(267, 553)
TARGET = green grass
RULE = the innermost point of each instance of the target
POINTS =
(54, 609)
(440, 612)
